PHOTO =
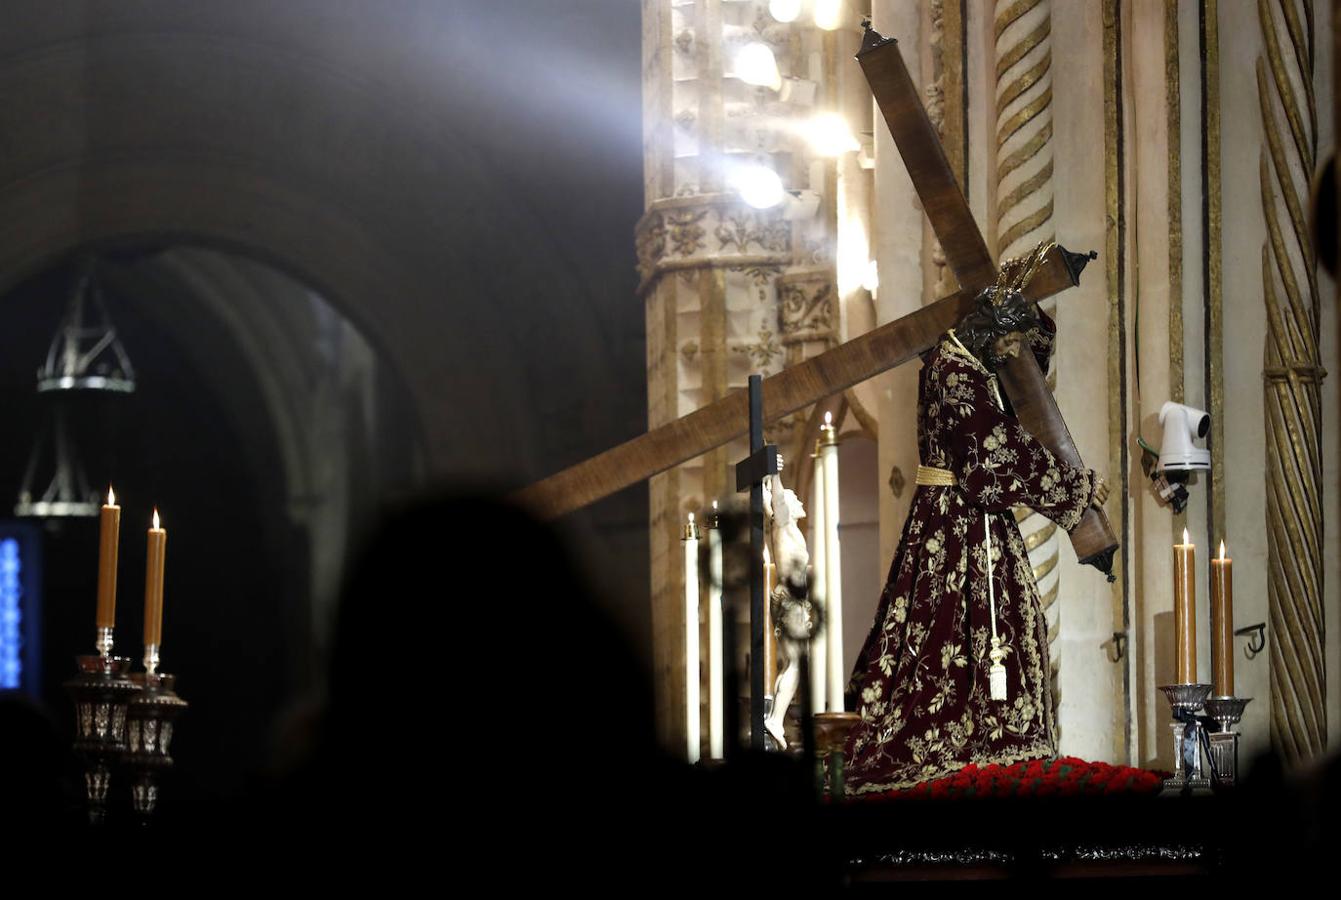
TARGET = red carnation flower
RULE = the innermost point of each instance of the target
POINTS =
(1115, 786)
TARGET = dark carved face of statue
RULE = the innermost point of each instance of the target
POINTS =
(994, 331)
(1004, 349)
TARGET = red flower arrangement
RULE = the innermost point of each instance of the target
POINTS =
(1065, 776)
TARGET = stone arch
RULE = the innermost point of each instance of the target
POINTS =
(244, 126)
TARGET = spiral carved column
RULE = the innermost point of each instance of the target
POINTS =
(1023, 31)
(1293, 381)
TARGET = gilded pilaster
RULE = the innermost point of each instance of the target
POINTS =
(1173, 103)
(1114, 257)
(943, 92)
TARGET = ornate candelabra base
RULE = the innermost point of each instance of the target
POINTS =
(831, 733)
(149, 723)
(1186, 700)
(1227, 712)
(101, 692)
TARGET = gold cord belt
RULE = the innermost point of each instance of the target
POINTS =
(933, 476)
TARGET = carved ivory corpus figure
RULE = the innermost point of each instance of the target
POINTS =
(793, 619)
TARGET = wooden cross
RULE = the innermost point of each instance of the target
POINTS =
(870, 354)
(750, 475)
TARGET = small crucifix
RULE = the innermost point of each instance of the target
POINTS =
(750, 474)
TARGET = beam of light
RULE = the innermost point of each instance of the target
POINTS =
(756, 64)
(11, 668)
(784, 10)
(757, 184)
(828, 14)
(872, 279)
(853, 254)
(829, 135)
(562, 77)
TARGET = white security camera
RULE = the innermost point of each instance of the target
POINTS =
(1183, 425)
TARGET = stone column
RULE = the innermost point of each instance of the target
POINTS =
(728, 289)
(1293, 376)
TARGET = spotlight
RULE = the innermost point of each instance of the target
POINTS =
(755, 64)
(784, 10)
(828, 14)
(758, 185)
(829, 135)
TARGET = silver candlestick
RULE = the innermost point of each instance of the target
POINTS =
(101, 692)
(1227, 712)
(149, 722)
(1186, 700)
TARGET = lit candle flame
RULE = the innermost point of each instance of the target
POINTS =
(111, 496)
(1222, 550)
(714, 505)
(156, 525)
(828, 420)
(691, 519)
(1186, 540)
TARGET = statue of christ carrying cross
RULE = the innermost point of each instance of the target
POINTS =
(955, 668)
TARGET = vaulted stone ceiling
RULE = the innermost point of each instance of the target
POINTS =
(458, 180)
(437, 170)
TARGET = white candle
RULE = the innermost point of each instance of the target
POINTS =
(716, 718)
(819, 565)
(833, 566)
(692, 711)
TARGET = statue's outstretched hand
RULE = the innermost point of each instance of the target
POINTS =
(1100, 492)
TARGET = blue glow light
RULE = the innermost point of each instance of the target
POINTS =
(10, 614)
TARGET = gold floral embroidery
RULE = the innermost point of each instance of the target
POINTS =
(920, 682)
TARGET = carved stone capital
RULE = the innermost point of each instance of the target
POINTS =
(709, 230)
(808, 306)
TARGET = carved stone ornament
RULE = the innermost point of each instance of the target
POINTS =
(674, 235)
(765, 229)
(808, 304)
(761, 352)
(686, 234)
(650, 242)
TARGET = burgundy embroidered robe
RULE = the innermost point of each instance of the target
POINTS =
(920, 682)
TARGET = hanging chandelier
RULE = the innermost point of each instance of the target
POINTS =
(85, 356)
